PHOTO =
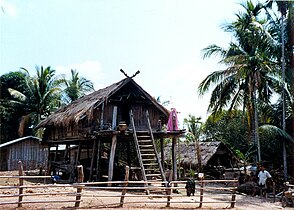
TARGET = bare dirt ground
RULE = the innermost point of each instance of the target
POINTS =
(91, 199)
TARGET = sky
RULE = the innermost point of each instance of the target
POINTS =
(161, 38)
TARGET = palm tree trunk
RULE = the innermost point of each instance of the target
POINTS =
(255, 124)
(283, 97)
(198, 153)
(291, 45)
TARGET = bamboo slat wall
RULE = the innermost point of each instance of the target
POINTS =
(32, 154)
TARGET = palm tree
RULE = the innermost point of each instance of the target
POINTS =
(41, 97)
(194, 129)
(251, 72)
(76, 87)
(283, 7)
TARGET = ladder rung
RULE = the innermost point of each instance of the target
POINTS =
(148, 160)
(148, 154)
(147, 150)
(146, 145)
(145, 140)
(139, 136)
(150, 164)
(153, 174)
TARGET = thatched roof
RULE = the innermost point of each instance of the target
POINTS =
(84, 106)
(187, 152)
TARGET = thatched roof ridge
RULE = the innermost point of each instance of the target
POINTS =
(84, 106)
(187, 152)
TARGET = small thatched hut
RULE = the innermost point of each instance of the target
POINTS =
(215, 157)
(27, 149)
(106, 130)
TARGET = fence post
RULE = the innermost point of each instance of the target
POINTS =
(168, 193)
(20, 173)
(233, 196)
(123, 192)
(79, 189)
(201, 176)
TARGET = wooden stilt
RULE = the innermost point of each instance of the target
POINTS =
(174, 158)
(49, 161)
(98, 160)
(92, 159)
(127, 172)
(111, 159)
(78, 154)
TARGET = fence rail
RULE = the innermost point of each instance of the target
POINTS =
(124, 189)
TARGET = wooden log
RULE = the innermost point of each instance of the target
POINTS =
(127, 172)
(79, 189)
(111, 159)
(20, 191)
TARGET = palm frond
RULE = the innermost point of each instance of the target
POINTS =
(17, 95)
(274, 130)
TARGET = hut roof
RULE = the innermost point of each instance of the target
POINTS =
(19, 140)
(188, 152)
(84, 106)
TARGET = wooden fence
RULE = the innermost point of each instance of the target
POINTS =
(123, 189)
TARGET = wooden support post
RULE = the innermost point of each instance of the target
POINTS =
(98, 160)
(123, 192)
(101, 116)
(49, 161)
(168, 193)
(274, 191)
(111, 159)
(162, 153)
(128, 153)
(174, 159)
(114, 117)
(20, 173)
(233, 196)
(79, 189)
(201, 191)
(78, 154)
(92, 159)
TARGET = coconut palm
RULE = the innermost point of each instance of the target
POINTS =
(76, 87)
(41, 97)
(250, 75)
(283, 7)
(194, 129)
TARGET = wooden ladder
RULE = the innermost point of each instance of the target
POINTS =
(149, 161)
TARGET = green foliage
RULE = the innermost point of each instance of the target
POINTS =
(229, 128)
(76, 87)
(10, 113)
(194, 128)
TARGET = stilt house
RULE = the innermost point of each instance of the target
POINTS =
(106, 130)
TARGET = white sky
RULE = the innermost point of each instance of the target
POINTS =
(161, 38)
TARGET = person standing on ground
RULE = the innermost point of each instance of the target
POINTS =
(262, 177)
